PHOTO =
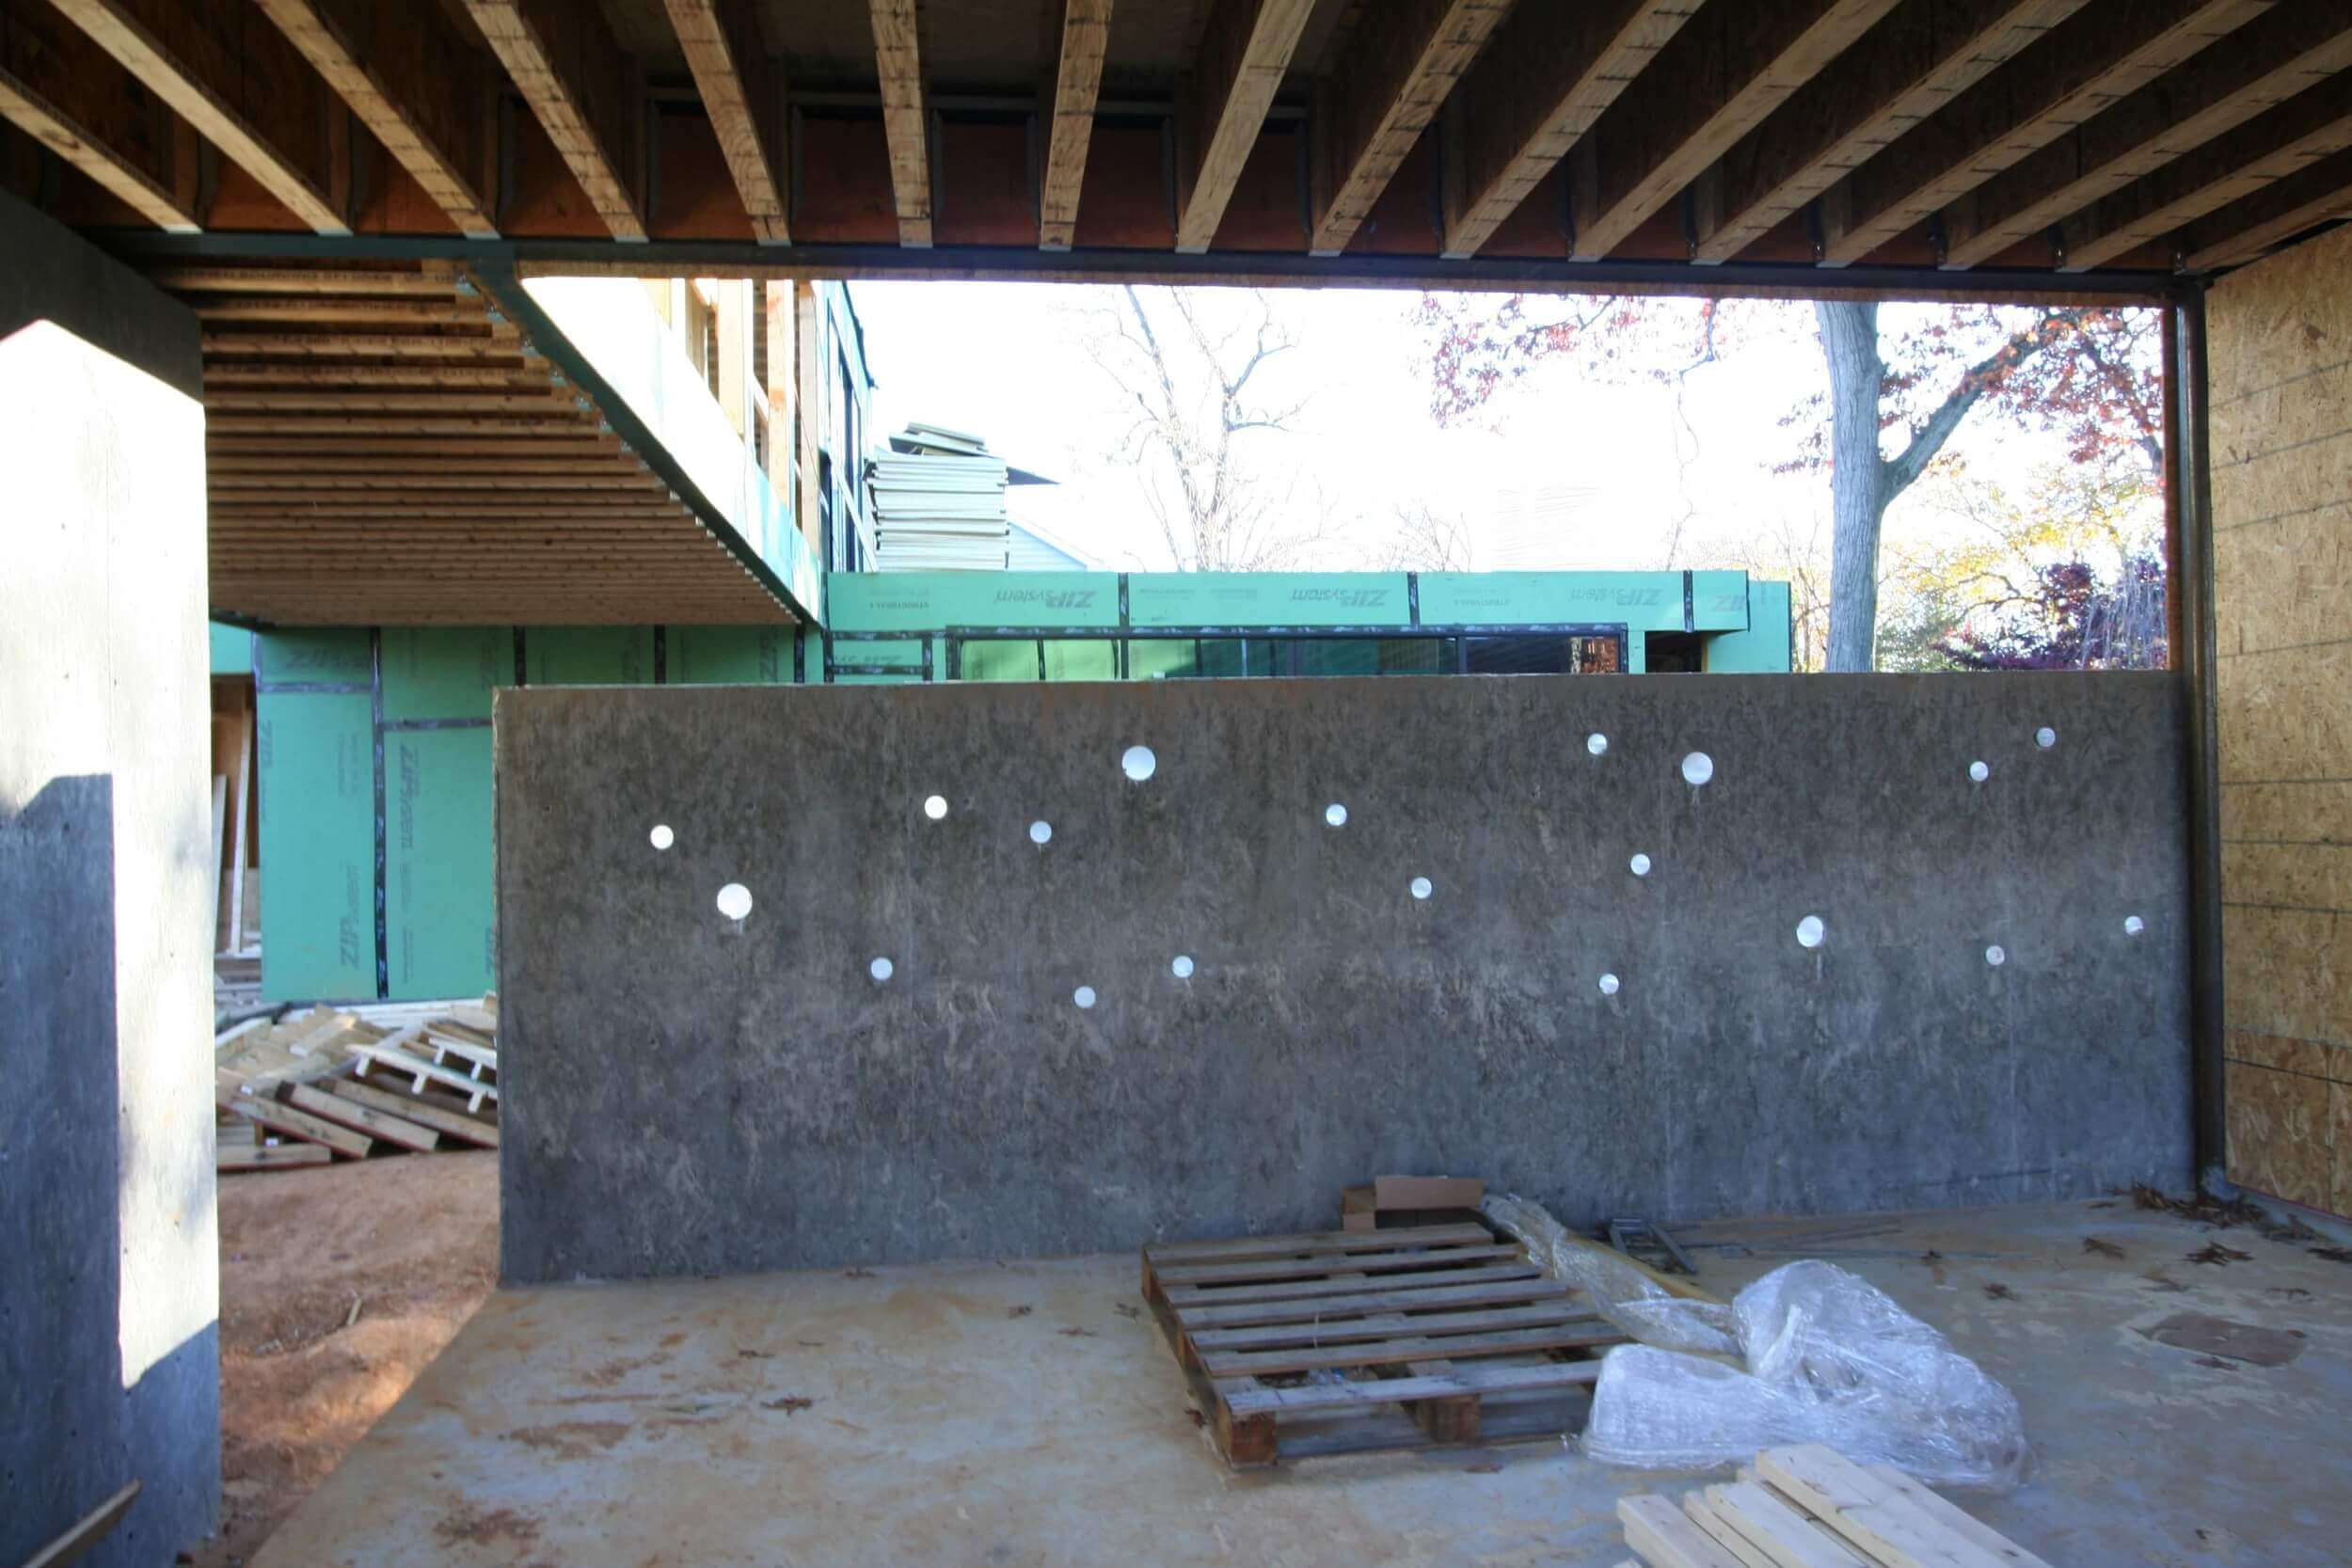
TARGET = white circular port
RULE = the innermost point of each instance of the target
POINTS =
(734, 900)
(1181, 967)
(1994, 956)
(936, 807)
(1139, 762)
(1596, 743)
(1421, 888)
(1697, 768)
(1040, 832)
(1979, 772)
(1811, 932)
(1639, 865)
(661, 835)
(881, 969)
(1083, 996)
(1335, 814)
(1609, 985)
(2046, 737)
(2133, 925)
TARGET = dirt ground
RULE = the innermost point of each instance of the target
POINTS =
(338, 1285)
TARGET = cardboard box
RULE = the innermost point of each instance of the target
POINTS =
(1426, 1192)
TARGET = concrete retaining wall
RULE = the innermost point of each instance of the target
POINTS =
(688, 1095)
(109, 1260)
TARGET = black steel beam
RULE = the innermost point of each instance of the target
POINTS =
(748, 259)
(2188, 453)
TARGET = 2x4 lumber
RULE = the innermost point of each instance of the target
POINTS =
(1321, 1308)
(455, 1124)
(906, 117)
(270, 1157)
(1953, 1517)
(2265, 64)
(1184, 1296)
(1665, 1538)
(360, 1118)
(294, 428)
(437, 284)
(373, 472)
(83, 1536)
(1550, 71)
(419, 377)
(2242, 232)
(294, 1123)
(1881, 1523)
(229, 398)
(98, 151)
(1404, 1347)
(1387, 85)
(1700, 1509)
(1783, 1535)
(1709, 87)
(1239, 1273)
(1245, 51)
(229, 480)
(327, 308)
(1400, 1239)
(1085, 37)
(116, 27)
(2291, 138)
(585, 93)
(740, 94)
(381, 346)
(577, 445)
(1901, 71)
(414, 82)
(1389, 1326)
(2097, 55)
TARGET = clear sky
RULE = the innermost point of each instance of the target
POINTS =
(1010, 363)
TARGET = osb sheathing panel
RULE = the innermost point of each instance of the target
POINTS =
(2281, 421)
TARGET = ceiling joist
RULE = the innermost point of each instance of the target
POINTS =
(585, 92)
(1084, 39)
(906, 117)
(742, 93)
(1244, 53)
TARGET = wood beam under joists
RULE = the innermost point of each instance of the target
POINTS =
(1388, 84)
(1903, 69)
(416, 84)
(197, 89)
(1709, 87)
(1549, 74)
(1084, 37)
(2099, 55)
(906, 115)
(586, 92)
(2243, 231)
(2312, 126)
(1244, 53)
(2264, 65)
(743, 93)
(60, 87)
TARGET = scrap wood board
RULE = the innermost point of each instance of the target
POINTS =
(1341, 1340)
(300, 1091)
(1811, 1506)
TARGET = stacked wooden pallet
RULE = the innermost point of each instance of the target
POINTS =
(331, 1085)
(1811, 1506)
(1348, 1340)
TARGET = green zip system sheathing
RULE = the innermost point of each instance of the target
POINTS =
(375, 762)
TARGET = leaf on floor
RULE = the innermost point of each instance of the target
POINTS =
(2219, 1255)
(1999, 1292)
(1021, 1311)
(857, 1274)
(2157, 1281)
(2100, 1248)
(2333, 1254)
(1078, 1333)
(792, 1404)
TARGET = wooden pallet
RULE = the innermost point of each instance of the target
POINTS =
(1811, 1506)
(1348, 1340)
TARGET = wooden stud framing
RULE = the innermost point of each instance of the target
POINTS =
(2242, 232)
(1244, 54)
(2085, 64)
(1548, 74)
(116, 28)
(1903, 69)
(1383, 92)
(906, 115)
(415, 84)
(742, 95)
(1707, 87)
(585, 93)
(2296, 135)
(1086, 33)
(89, 150)
(2266, 63)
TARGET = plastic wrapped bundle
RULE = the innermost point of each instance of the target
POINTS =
(1830, 1358)
(1617, 1290)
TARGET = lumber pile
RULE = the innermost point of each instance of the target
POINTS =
(331, 1085)
(939, 502)
(1811, 1506)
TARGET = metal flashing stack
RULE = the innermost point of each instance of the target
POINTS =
(938, 502)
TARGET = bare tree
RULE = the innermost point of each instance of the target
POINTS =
(1424, 540)
(1197, 423)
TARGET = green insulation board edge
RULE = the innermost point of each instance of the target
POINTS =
(589, 655)
(1269, 599)
(311, 655)
(1764, 647)
(317, 756)
(440, 924)
(230, 649)
(929, 601)
(444, 672)
(730, 655)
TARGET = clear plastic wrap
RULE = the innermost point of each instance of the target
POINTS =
(1829, 1358)
(1618, 1289)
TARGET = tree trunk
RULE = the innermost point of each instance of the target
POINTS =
(1858, 492)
